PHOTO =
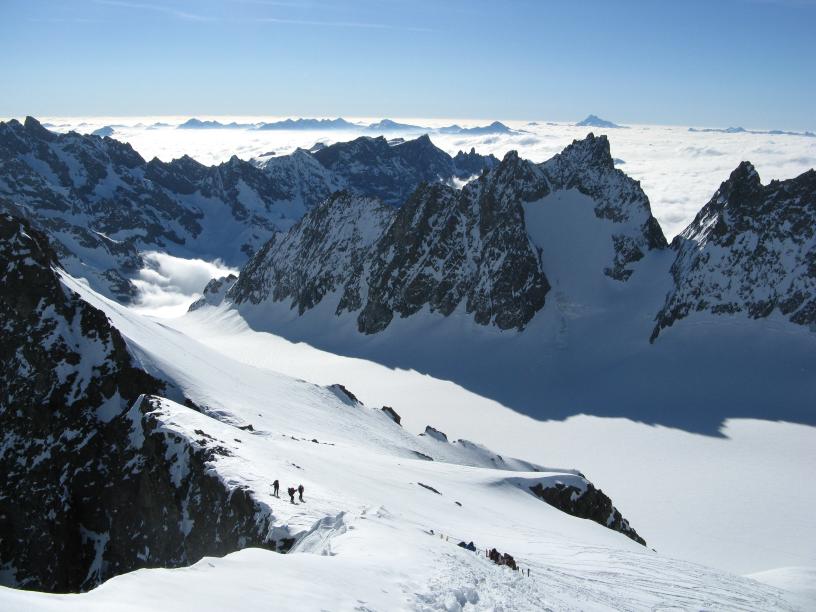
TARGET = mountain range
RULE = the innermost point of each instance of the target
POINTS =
(548, 287)
(103, 204)
(380, 127)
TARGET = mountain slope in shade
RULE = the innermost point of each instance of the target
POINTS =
(552, 273)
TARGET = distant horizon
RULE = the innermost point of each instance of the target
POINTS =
(697, 63)
(260, 117)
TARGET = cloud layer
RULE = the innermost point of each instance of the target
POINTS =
(168, 285)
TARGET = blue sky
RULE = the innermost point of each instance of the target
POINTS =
(715, 62)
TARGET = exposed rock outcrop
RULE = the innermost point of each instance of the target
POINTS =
(585, 501)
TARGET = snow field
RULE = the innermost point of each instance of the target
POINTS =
(367, 518)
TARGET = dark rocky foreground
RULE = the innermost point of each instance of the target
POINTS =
(91, 482)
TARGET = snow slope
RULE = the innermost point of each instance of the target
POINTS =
(366, 521)
(693, 496)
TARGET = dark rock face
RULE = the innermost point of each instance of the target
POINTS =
(392, 414)
(324, 252)
(589, 503)
(434, 433)
(751, 250)
(89, 478)
(444, 248)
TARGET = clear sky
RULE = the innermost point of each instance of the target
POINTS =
(689, 62)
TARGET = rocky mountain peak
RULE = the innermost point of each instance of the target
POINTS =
(591, 151)
(36, 129)
(743, 186)
(750, 250)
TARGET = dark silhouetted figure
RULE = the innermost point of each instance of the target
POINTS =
(276, 488)
(300, 492)
(291, 491)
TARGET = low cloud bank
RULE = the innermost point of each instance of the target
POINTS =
(168, 285)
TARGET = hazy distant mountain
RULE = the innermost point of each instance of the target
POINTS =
(309, 124)
(741, 130)
(494, 128)
(595, 121)
(198, 124)
(387, 125)
(103, 131)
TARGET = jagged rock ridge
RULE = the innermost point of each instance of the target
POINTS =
(445, 248)
(751, 250)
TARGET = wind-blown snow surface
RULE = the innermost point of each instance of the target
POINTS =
(678, 169)
(740, 502)
(366, 520)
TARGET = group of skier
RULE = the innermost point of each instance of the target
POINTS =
(290, 490)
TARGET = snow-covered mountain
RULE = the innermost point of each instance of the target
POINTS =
(533, 275)
(93, 483)
(125, 478)
(546, 288)
(103, 204)
(751, 249)
(445, 248)
(145, 480)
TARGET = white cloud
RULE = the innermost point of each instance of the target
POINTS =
(168, 285)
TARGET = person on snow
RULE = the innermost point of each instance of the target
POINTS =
(291, 491)
(276, 488)
(300, 492)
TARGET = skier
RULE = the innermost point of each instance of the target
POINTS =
(291, 491)
(300, 492)
(276, 488)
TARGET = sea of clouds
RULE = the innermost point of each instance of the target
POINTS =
(679, 169)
